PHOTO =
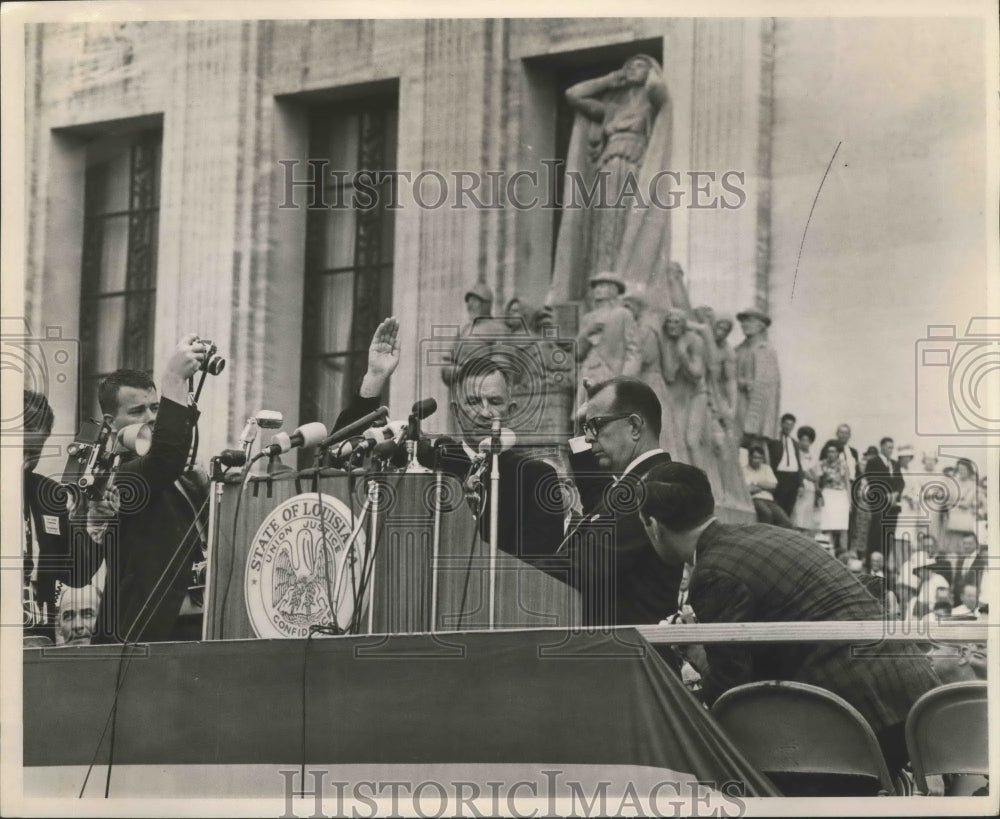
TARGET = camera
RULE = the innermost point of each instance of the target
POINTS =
(92, 460)
(957, 380)
(213, 363)
(540, 371)
(95, 455)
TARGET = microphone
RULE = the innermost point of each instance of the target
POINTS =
(232, 457)
(507, 440)
(370, 438)
(362, 423)
(269, 419)
(305, 436)
(424, 408)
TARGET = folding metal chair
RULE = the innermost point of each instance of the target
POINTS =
(799, 733)
(946, 733)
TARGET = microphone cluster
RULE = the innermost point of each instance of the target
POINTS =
(389, 443)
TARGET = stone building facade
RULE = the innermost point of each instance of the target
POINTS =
(231, 112)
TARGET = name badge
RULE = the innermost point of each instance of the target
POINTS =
(51, 523)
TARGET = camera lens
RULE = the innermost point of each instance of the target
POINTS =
(214, 364)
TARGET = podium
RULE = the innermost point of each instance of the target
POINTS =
(376, 553)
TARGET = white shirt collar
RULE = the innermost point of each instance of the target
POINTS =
(645, 456)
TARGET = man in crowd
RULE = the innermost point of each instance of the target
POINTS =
(159, 535)
(613, 563)
(787, 467)
(885, 486)
(77, 615)
(848, 453)
(967, 566)
(761, 483)
(759, 574)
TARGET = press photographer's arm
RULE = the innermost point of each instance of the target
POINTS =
(173, 421)
(161, 511)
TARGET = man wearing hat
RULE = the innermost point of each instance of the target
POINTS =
(758, 380)
(608, 342)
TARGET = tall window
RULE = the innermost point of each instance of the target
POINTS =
(118, 282)
(348, 282)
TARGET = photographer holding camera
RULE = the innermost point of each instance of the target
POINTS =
(160, 508)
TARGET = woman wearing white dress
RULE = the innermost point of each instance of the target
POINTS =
(833, 488)
(804, 513)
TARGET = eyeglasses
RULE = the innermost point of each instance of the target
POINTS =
(592, 426)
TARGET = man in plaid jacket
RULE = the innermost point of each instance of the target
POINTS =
(765, 574)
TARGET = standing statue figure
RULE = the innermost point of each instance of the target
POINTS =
(684, 371)
(650, 344)
(720, 375)
(607, 343)
(620, 140)
(757, 378)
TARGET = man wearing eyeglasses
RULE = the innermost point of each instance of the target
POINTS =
(622, 579)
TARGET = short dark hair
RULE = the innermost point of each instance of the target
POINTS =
(886, 439)
(679, 496)
(757, 448)
(808, 432)
(788, 417)
(38, 415)
(834, 443)
(107, 391)
(633, 396)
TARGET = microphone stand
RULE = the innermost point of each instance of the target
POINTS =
(494, 514)
(413, 466)
(436, 537)
(373, 524)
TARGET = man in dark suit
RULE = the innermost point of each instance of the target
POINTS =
(885, 486)
(528, 527)
(160, 520)
(612, 562)
(762, 574)
(966, 568)
(785, 463)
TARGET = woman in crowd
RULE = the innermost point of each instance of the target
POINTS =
(833, 496)
(804, 514)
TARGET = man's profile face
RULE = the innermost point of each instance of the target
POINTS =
(843, 433)
(484, 398)
(77, 615)
(887, 447)
(135, 406)
(613, 446)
